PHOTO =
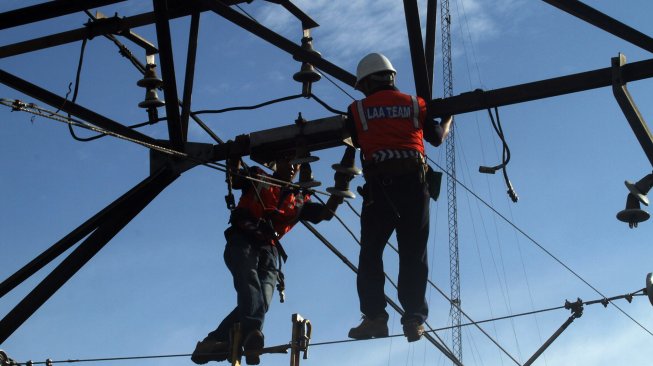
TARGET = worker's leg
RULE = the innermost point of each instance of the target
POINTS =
(242, 258)
(412, 238)
(377, 224)
(267, 274)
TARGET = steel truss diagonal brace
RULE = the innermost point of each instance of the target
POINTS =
(67, 106)
(48, 10)
(268, 35)
(168, 73)
(417, 56)
(604, 22)
(634, 117)
(69, 240)
(118, 215)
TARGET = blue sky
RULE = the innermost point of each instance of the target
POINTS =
(161, 285)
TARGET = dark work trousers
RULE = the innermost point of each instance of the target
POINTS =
(398, 203)
(254, 269)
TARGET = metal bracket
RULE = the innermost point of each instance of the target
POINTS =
(634, 117)
(301, 336)
(122, 29)
(576, 312)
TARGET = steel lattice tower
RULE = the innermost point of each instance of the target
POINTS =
(452, 209)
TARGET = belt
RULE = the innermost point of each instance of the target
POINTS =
(393, 167)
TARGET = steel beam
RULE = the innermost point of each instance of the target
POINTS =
(420, 73)
(429, 47)
(278, 41)
(480, 100)
(603, 21)
(68, 241)
(190, 72)
(168, 74)
(48, 10)
(270, 144)
(630, 110)
(176, 9)
(119, 218)
(67, 106)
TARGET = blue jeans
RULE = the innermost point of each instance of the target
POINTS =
(253, 266)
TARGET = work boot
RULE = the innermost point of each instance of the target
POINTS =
(413, 331)
(253, 342)
(210, 350)
(370, 328)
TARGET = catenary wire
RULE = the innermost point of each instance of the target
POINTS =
(36, 110)
(531, 239)
(315, 344)
(437, 289)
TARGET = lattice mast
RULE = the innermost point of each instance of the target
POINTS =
(452, 206)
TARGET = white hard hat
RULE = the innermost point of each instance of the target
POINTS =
(371, 64)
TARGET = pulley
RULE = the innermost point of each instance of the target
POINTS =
(151, 99)
(632, 214)
(150, 80)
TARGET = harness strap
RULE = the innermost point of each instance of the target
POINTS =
(361, 114)
(415, 111)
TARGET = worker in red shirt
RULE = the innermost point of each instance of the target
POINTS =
(265, 212)
(390, 128)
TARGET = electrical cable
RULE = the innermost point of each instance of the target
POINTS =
(246, 13)
(323, 104)
(433, 285)
(240, 108)
(32, 108)
(336, 85)
(539, 245)
(315, 344)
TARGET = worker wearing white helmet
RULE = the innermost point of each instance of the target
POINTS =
(390, 128)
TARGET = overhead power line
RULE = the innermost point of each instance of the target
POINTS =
(532, 240)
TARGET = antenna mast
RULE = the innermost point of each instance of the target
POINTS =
(452, 208)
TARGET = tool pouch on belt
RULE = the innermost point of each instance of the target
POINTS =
(434, 180)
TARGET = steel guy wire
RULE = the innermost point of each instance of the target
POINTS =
(315, 344)
(437, 288)
(36, 110)
(539, 245)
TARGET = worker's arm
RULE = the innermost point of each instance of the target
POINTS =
(351, 128)
(435, 133)
(316, 212)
